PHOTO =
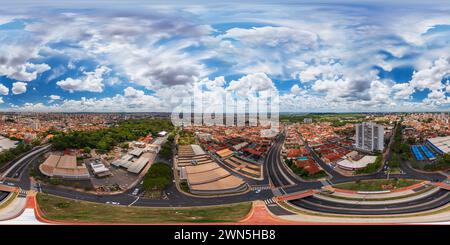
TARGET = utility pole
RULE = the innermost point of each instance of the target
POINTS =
(388, 171)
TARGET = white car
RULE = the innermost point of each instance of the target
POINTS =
(10, 184)
(115, 203)
(135, 192)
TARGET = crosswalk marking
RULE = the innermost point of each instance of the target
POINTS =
(23, 193)
(270, 202)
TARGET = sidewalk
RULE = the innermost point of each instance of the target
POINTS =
(259, 215)
(367, 195)
(368, 201)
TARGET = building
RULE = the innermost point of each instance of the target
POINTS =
(64, 167)
(6, 144)
(99, 169)
(440, 144)
(350, 163)
(307, 120)
(203, 175)
(369, 137)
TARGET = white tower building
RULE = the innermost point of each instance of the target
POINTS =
(369, 137)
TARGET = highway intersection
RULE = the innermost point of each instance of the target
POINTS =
(278, 181)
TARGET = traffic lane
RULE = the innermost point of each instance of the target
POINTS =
(276, 181)
(304, 186)
(3, 195)
(355, 209)
(26, 157)
(278, 178)
(405, 167)
(277, 210)
(274, 166)
(123, 199)
(173, 200)
(18, 171)
(434, 205)
(434, 196)
(283, 168)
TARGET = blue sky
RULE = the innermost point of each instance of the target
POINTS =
(141, 56)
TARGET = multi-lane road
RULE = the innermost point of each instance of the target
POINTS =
(18, 175)
(435, 200)
(281, 178)
(3, 195)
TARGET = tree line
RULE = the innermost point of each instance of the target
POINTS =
(12, 153)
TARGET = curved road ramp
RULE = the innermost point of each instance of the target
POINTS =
(418, 204)
(20, 210)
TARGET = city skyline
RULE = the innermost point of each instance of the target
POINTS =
(142, 57)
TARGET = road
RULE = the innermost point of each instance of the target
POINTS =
(276, 170)
(175, 198)
(3, 195)
(278, 174)
(435, 200)
(17, 165)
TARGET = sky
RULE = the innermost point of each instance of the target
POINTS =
(138, 56)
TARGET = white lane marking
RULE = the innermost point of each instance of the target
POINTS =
(133, 202)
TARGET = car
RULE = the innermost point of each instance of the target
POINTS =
(108, 202)
(115, 203)
(10, 184)
(135, 192)
(258, 191)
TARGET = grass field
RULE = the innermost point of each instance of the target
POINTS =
(62, 209)
(377, 185)
(9, 200)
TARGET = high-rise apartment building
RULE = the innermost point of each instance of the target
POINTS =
(369, 137)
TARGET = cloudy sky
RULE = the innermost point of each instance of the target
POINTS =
(141, 56)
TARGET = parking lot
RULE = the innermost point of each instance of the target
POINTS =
(119, 178)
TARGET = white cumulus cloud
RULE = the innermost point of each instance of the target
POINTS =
(91, 81)
(3, 89)
(19, 88)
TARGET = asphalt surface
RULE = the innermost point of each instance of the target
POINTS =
(18, 166)
(435, 200)
(279, 175)
(18, 175)
(277, 172)
(3, 195)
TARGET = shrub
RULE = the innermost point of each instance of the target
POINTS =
(158, 177)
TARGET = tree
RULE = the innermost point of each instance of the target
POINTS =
(158, 177)
(36, 142)
(125, 145)
(166, 150)
(105, 139)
